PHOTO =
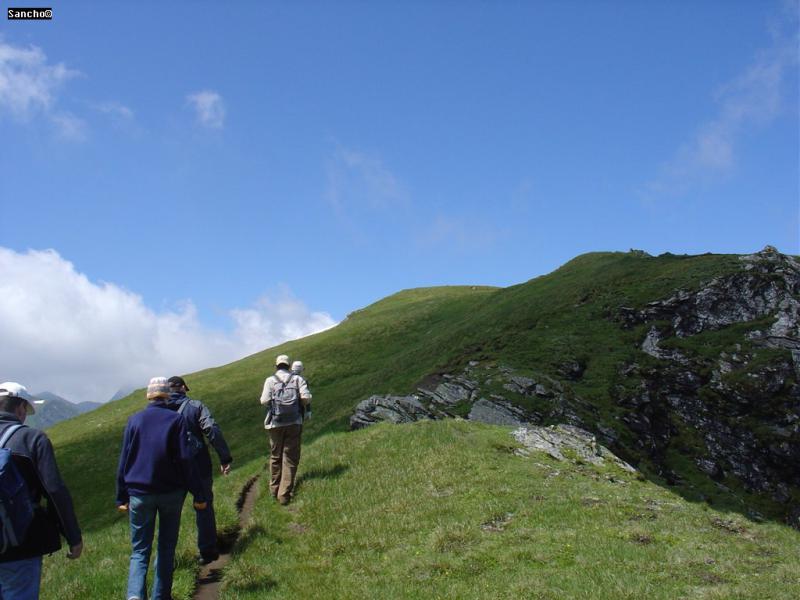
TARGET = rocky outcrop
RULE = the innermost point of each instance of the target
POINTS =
(394, 409)
(733, 412)
(650, 346)
(743, 410)
(469, 395)
(498, 412)
(769, 284)
(560, 440)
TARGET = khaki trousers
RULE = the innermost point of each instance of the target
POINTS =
(284, 457)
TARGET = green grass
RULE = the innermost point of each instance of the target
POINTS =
(390, 347)
(444, 510)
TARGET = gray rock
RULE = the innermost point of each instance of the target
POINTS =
(558, 439)
(454, 392)
(782, 493)
(394, 409)
(768, 285)
(709, 467)
(520, 385)
(449, 397)
(498, 413)
(607, 432)
(572, 370)
(758, 399)
(650, 346)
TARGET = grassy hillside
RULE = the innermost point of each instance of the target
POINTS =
(445, 510)
(388, 347)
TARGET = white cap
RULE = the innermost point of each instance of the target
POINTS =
(282, 360)
(297, 366)
(11, 389)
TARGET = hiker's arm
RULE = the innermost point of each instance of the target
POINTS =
(56, 490)
(214, 435)
(267, 391)
(305, 393)
(122, 489)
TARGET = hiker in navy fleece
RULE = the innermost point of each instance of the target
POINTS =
(155, 471)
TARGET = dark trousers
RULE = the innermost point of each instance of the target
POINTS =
(284, 458)
(207, 523)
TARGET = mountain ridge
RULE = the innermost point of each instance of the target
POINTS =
(53, 409)
(544, 326)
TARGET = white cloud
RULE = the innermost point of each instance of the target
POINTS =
(209, 108)
(356, 180)
(27, 82)
(29, 86)
(115, 110)
(69, 127)
(752, 99)
(84, 340)
(281, 317)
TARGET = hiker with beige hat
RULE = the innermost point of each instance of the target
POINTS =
(286, 396)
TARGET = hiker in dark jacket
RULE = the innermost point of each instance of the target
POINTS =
(32, 453)
(155, 471)
(201, 424)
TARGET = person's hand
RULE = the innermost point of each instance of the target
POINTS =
(200, 505)
(75, 551)
(123, 508)
(226, 469)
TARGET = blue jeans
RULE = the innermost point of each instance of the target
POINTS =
(207, 524)
(143, 510)
(19, 579)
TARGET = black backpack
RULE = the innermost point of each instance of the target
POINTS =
(16, 507)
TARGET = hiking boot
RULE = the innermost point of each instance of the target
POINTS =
(207, 559)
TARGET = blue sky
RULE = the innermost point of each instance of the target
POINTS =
(225, 167)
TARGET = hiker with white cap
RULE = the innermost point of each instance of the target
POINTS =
(285, 395)
(29, 530)
(156, 468)
(298, 368)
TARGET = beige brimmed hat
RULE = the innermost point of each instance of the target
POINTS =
(11, 389)
(282, 360)
(158, 388)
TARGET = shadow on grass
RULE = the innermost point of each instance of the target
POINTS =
(256, 532)
(327, 473)
(257, 584)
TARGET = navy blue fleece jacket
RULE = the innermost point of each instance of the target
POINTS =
(155, 457)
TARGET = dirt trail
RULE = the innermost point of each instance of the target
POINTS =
(210, 576)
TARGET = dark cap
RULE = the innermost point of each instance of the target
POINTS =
(176, 382)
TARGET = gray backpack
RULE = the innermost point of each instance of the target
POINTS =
(285, 400)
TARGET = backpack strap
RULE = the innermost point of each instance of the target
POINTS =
(182, 407)
(279, 382)
(8, 433)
